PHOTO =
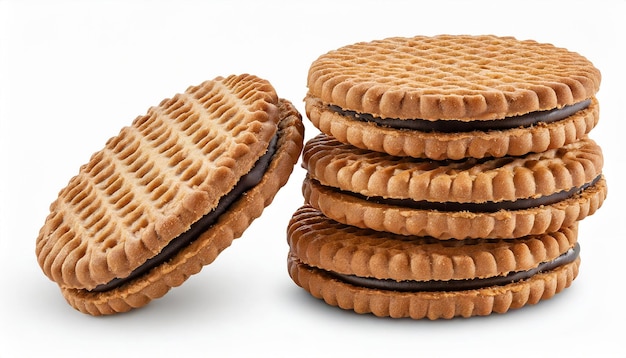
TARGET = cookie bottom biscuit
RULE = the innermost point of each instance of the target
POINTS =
(441, 146)
(354, 211)
(431, 305)
(208, 246)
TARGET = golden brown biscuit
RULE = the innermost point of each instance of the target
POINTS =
(503, 197)
(419, 277)
(169, 193)
(453, 96)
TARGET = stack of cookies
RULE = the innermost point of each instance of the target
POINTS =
(449, 177)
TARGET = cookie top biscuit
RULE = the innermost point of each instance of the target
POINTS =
(156, 178)
(375, 174)
(451, 77)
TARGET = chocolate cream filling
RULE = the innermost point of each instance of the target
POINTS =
(455, 126)
(460, 285)
(485, 207)
(244, 184)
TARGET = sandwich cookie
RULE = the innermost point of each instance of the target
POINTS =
(168, 193)
(410, 276)
(505, 197)
(451, 97)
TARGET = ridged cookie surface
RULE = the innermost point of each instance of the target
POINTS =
(157, 177)
(210, 244)
(375, 174)
(451, 77)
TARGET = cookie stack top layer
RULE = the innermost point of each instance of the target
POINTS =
(452, 77)
(453, 97)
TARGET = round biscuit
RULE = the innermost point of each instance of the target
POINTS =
(464, 77)
(212, 242)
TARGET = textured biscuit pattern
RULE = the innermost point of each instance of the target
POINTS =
(155, 178)
(432, 305)
(326, 244)
(374, 174)
(504, 224)
(207, 247)
(451, 77)
(440, 146)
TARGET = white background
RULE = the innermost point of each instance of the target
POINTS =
(72, 73)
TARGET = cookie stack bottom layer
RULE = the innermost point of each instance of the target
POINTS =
(390, 275)
(408, 237)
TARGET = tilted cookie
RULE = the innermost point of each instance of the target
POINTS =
(453, 96)
(503, 197)
(168, 193)
(409, 276)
